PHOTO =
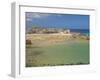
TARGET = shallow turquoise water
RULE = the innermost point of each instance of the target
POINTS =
(67, 53)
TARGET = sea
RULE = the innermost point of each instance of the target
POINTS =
(85, 32)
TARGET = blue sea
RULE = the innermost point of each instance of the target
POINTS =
(82, 31)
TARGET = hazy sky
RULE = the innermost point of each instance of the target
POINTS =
(70, 21)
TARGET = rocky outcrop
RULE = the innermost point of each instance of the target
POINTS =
(28, 42)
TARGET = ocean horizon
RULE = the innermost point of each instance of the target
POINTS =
(85, 32)
(80, 30)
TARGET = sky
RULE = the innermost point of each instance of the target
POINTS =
(52, 20)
